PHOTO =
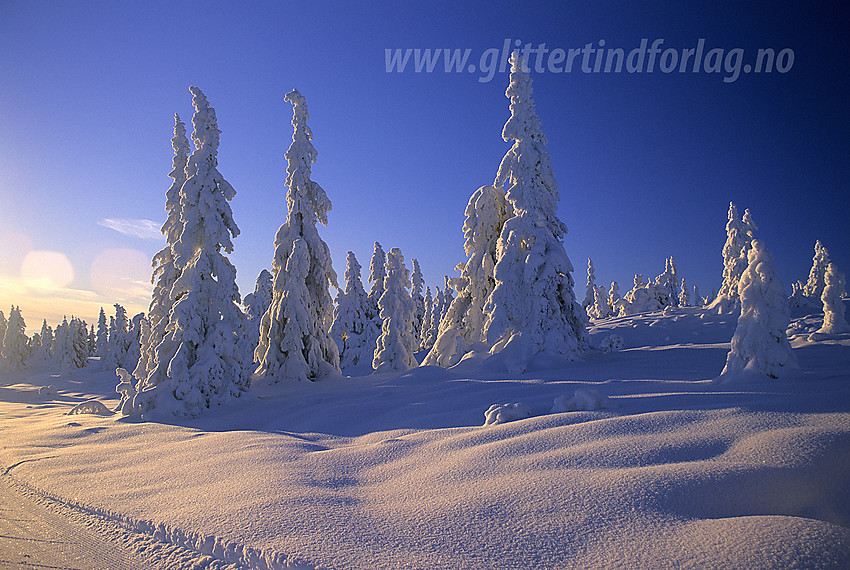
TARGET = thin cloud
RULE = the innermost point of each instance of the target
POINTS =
(143, 229)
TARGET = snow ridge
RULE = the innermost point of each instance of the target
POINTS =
(162, 545)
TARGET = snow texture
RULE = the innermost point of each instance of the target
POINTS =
(581, 400)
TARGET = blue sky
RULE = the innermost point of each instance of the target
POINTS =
(647, 162)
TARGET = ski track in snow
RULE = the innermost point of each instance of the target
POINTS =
(155, 545)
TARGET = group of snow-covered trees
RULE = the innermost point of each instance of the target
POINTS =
(201, 344)
(72, 342)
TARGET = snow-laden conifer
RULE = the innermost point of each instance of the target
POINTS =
(42, 352)
(417, 283)
(15, 339)
(590, 288)
(834, 321)
(684, 294)
(3, 324)
(666, 285)
(641, 298)
(256, 304)
(165, 267)
(354, 332)
(760, 345)
(396, 345)
(599, 309)
(739, 237)
(816, 282)
(312, 353)
(533, 308)
(426, 321)
(377, 272)
(102, 341)
(698, 300)
(463, 328)
(204, 358)
(614, 300)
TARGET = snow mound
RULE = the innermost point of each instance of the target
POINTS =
(504, 413)
(46, 390)
(90, 407)
(584, 399)
(611, 343)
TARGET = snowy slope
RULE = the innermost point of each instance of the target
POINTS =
(392, 471)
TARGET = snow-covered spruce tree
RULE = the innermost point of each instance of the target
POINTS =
(312, 353)
(434, 326)
(666, 286)
(698, 300)
(205, 353)
(396, 345)
(165, 267)
(463, 328)
(614, 300)
(533, 308)
(684, 294)
(426, 321)
(102, 342)
(353, 331)
(80, 341)
(376, 277)
(46, 336)
(760, 345)
(834, 321)
(15, 340)
(640, 299)
(256, 304)
(739, 237)
(590, 289)
(3, 325)
(814, 286)
(417, 282)
(599, 309)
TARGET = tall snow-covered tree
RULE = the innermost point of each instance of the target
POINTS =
(684, 294)
(739, 236)
(814, 286)
(166, 270)
(15, 339)
(463, 328)
(760, 345)
(417, 282)
(426, 321)
(46, 344)
(256, 304)
(377, 273)
(834, 321)
(69, 344)
(205, 355)
(614, 299)
(102, 341)
(590, 289)
(396, 345)
(313, 352)
(533, 308)
(352, 329)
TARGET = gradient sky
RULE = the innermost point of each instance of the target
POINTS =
(647, 163)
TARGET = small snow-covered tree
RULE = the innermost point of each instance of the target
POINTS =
(590, 289)
(666, 286)
(79, 339)
(698, 300)
(256, 304)
(417, 283)
(436, 316)
(834, 321)
(760, 345)
(376, 277)
(102, 341)
(614, 300)
(684, 294)
(396, 345)
(532, 308)
(640, 299)
(69, 351)
(166, 268)
(15, 340)
(814, 286)
(313, 352)
(426, 321)
(599, 309)
(3, 325)
(463, 328)
(739, 237)
(352, 329)
(204, 358)
(44, 350)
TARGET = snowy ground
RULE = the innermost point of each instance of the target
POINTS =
(392, 471)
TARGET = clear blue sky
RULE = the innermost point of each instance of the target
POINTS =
(647, 162)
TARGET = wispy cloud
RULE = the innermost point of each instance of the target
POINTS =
(143, 229)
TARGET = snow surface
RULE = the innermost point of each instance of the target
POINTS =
(396, 470)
